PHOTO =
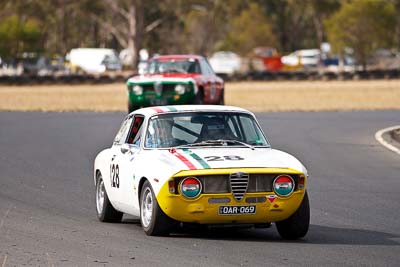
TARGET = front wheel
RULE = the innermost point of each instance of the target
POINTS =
(221, 100)
(199, 99)
(296, 226)
(105, 211)
(153, 219)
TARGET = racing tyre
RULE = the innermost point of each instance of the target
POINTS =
(105, 211)
(199, 99)
(296, 226)
(153, 219)
(221, 100)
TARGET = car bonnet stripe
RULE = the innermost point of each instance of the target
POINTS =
(197, 157)
(183, 159)
(172, 109)
(158, 110)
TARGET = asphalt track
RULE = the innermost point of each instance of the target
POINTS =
(47, 212)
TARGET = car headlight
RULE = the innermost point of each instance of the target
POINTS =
(180, 89)
(283, 185)
(190, 187)
(137, 89)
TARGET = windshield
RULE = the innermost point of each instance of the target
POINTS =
(203, 129)
(173, 66)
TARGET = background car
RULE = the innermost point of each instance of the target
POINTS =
(270, 58)
(225, 62)
(304, 57)
(175, 79)
(93, 60)
(199, 164)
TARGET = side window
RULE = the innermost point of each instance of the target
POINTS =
(122, 134)
(135, 132)
(193, 67)
(210, 69)
(206, 68)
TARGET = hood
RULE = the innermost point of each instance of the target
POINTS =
(221, 157)
(172, 77)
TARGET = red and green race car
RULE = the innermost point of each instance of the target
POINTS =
(175, 79)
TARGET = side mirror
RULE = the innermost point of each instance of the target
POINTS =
(125, 148)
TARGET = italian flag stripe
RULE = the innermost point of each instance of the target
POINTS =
(171, 108)
(158, 110)
(203, 163)
(184, 160)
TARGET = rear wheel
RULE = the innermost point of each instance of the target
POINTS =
(296, 226)
(153, 219)
(105, 211)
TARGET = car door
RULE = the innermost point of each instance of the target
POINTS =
(114, 175)
(125, 162)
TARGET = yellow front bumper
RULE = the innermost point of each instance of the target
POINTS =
(200, 210)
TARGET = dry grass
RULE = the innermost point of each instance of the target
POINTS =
(109, 97)
(316, 95)
(255, 96)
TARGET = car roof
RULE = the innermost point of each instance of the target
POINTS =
(188, 56)
(149, 111)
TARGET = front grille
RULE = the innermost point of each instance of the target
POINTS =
(219, 184)
(148, 88)
(169, 88)
(150, 95)
(261, 182)
(165, 89)
(215, 184)
(239, 182)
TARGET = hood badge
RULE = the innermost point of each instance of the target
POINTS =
(158, 88)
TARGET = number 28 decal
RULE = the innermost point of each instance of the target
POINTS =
(114, 175)
(222, 158)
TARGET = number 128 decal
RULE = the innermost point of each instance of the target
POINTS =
(114, 175)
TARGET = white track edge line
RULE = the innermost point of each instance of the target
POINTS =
(379, 138)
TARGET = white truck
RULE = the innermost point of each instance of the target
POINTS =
(93, 60)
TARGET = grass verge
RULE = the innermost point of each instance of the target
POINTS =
(255, 96)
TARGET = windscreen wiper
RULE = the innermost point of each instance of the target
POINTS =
(202, 143)
(235, 142)
(214, 142)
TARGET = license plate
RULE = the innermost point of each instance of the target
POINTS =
(236, 210)
(158, 102)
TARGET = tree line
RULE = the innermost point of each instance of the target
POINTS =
(53, 27)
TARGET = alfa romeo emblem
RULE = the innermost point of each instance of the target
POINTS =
(239, 182)
(158, 88)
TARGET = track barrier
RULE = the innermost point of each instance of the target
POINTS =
(249, 76)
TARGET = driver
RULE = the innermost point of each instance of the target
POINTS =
(213, 129)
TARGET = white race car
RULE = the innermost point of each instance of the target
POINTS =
(205, 165)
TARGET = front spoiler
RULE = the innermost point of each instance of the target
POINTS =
(202, 210)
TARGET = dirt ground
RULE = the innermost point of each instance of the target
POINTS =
(255, 96)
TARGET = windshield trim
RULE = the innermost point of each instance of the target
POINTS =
(143, 141)
(171, 60)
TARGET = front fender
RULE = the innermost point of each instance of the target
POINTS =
(101, 164)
